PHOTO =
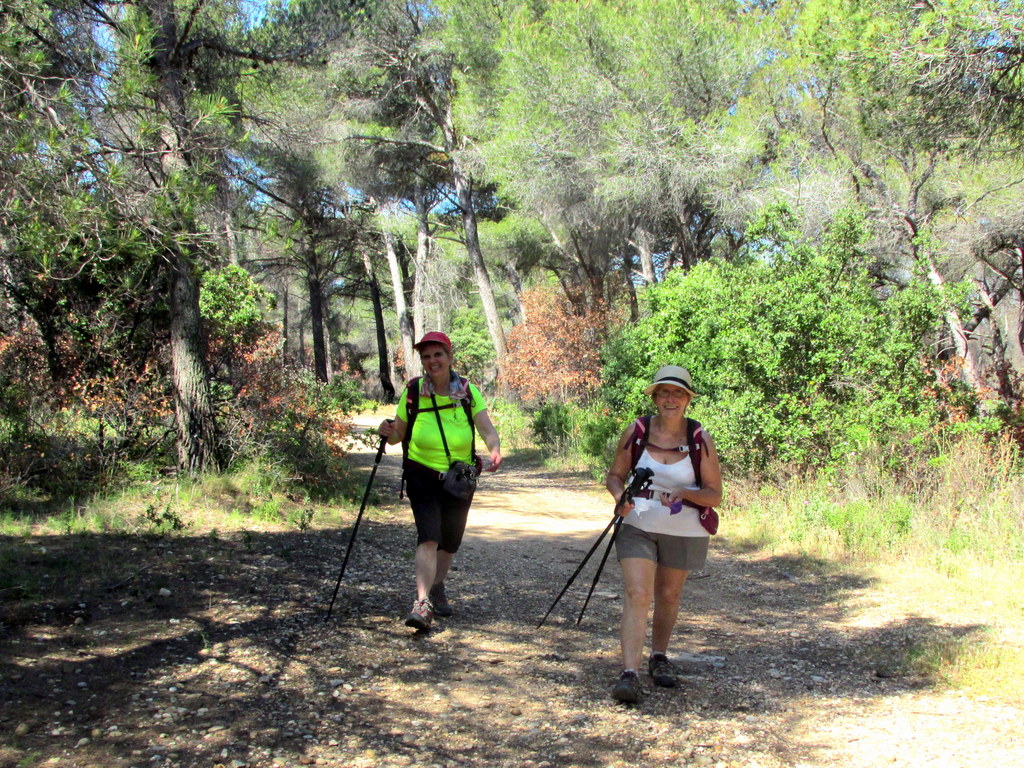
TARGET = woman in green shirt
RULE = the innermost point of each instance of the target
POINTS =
(443, 400)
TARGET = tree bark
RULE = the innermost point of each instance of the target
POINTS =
(516, 281)
(194, 415)
(422, 257)
(193, 409)
(405, 326)
(316, 319)
(643, 248)
(960, 334)
(384, 369)
(285, 317)
(464, 190)
(627, 273)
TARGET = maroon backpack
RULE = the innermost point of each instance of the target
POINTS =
(695, 446)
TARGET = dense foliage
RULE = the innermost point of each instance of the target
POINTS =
(799, 357)
(222, 225)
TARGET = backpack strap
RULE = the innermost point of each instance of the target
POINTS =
(638, 439)
(695, 441)
(412, 409)
(467, 406)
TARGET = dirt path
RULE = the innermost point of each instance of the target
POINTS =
(214, 651)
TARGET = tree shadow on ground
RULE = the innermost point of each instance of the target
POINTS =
(192, 649)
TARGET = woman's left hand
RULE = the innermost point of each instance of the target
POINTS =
(491, 440)
(674, 501)
(495, 461)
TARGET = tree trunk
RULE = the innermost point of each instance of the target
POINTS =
(284, 323)
(405, 327)
(422, 257)
(328, 352)
(386, 384)
(464, 190)
(634, 305)
(227, 224)
(960, 335)
(193, 410)
(516, 281)
(643, 248)
(194, 414)
(316, 320)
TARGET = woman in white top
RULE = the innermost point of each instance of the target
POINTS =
(661, 538)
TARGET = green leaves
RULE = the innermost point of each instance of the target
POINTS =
(232, 302)
(796, 356)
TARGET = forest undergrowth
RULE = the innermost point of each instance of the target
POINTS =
(952, 522)
(182, 625)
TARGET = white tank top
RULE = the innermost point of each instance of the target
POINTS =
(654, 517)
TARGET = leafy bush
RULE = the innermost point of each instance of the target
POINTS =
(798, 358)
(557, 347)
(474, 350)
(511, 422)
(230, 303)
(82, 434)
(553, 425)
(578, 437)
(599, 432)
(285, 415)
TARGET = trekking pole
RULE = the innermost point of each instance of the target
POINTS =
(355, 528)
(600, 567)
(641, 479)
(578, 569)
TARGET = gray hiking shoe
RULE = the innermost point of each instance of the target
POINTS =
(439, 600)
(662, 671)
(627, 689)
(420, 616)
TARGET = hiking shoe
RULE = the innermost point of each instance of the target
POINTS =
(439, 600)
(420, 616)
(662, 671)
(627, 688)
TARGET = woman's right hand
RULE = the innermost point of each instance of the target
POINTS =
(386, 428)
(623, 509)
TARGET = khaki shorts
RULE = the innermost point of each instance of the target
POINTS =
(686, 553)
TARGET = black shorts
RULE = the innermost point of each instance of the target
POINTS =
(439, 516)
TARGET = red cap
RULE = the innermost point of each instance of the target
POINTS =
(434, 337)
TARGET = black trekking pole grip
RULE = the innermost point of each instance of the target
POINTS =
(359, 517)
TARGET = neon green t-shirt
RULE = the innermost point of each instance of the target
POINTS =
(426, 447)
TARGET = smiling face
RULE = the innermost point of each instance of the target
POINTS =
(671, 399)
(436, 361)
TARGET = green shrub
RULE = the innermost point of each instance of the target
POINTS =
(599, 433)
(511, 422)
(798, 358)
(553, 425)
(474, 350)
(962, 503)
(269, 511)
(284, 416)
